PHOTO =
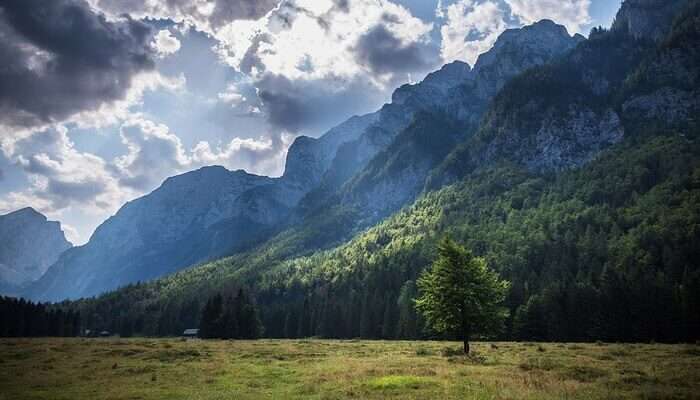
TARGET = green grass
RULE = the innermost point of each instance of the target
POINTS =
(321, 369)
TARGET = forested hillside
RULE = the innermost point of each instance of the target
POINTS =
(606, 252)
(580, 186)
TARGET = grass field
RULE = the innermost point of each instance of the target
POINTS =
(318, 369)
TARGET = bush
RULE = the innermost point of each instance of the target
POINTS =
(422, 351)
(451, 352)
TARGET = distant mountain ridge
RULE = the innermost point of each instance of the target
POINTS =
(29, 245)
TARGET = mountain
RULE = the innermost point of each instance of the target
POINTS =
(29, 244)
(191, 218)
(386, 167)
(210, 213)
(580, 184)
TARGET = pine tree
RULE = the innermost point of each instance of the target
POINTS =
(210, 317)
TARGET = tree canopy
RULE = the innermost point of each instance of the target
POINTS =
(459, 294)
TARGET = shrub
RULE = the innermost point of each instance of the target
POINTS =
(422, 351)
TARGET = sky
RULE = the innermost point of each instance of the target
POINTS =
(101, 100)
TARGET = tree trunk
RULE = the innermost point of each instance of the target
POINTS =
(465, 331)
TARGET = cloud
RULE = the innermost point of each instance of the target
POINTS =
(61, 176)
(65, 59)
(64, 180)
(383, 52)
(306, 55)
(574, 14)
(312, 105)
(166, 44)
(266, 155)
(155, 153)
(232, 96)
(204, 15)
(470, 28)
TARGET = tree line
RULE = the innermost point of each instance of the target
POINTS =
(230, 317)
(21, 318)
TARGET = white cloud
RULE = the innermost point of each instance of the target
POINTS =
(232, 96)
(165, 43)
(313, 40)
(65, 181)
(574, 14)
(264, 155)
(154, 153)
(63, 178)
(470, 28)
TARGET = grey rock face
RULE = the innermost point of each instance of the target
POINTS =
(571, 141)
(29, 244)
(562, 141)
(647, 19)
(669, 105)
(309, 158)
(519, 49)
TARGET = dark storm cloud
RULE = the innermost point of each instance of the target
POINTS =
(226, 11)
(383, 52)
(309, 106)
(283, 102)
(342, 5)
(59, 58)
(63, 192)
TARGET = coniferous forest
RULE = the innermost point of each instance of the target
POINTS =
(21, 318)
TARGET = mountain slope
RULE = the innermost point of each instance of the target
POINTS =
(386, 167)
(29, 244)
(601, 245)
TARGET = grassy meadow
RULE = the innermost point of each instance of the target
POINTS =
(322, 369)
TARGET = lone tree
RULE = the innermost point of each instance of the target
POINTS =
(460, 295)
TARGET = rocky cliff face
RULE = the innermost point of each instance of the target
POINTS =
(641, 74)
(665, 88)
(563, 141)
(647, 19)
(29, 244)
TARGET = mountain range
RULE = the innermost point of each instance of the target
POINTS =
(213, 212)
(570, 163)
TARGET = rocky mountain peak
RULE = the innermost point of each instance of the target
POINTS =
(29, 244)
(436, 83)
(519, 49)
(26, 213)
